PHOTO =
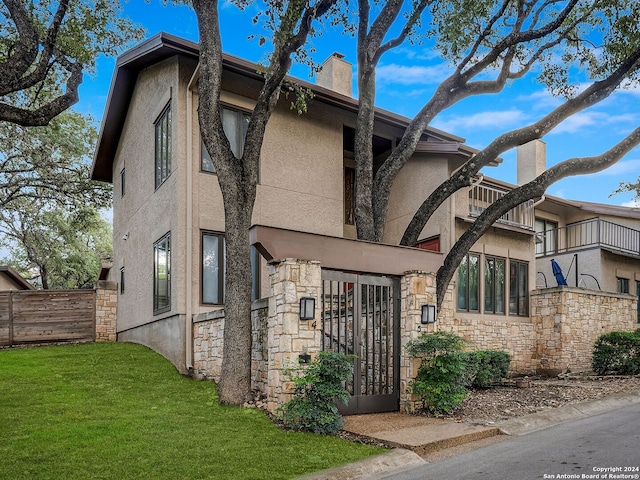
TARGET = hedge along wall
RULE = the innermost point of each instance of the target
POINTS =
(568, 321)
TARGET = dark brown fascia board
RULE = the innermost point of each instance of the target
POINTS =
(16, 277)
(278, 244)
(162, 46)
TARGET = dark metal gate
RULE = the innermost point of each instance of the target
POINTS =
(360, 316)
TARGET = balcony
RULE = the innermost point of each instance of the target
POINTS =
(481, 196)
(595, 233)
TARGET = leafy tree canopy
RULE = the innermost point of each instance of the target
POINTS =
(46, 46)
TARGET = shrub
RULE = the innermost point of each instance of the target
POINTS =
(484, 368)
(439, 382)
(317, 386)
(617, 353)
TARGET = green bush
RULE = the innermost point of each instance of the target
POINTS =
(439, 382)
(617, 353)
(484, 368)
(317, 387)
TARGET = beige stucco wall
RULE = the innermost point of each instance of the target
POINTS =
(417, 179)
(7, 283)
(144, 215)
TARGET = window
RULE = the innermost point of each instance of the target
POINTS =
(546, 237)
(122, 184)
(518, 288)
(213, 258)
(235, 124)
(349, 196)
(122, 281)
(468, 283)
(638, 295)
(494, 280)
(623, 285)
(162, 274)
(212, 268)
(163, 146)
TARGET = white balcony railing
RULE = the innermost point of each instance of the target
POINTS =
(481, 196)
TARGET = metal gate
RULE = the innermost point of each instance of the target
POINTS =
(360, 317)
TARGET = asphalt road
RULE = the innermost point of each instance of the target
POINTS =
(605, 446)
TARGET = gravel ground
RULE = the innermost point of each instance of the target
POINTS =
(488, 406)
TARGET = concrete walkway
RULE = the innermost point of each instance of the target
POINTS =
(413, 437)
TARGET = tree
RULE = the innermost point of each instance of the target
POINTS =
(49, 209)
(290, 24)
(50, 163)
(56, 247)
(46, 46)
(489, 43)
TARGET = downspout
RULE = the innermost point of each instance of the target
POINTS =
(188, 324)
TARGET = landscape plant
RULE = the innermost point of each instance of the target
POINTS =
(485, 368)
(318, 386)
(617, 353)
(440, 379)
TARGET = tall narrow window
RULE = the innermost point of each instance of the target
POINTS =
(162, 274)
(122, 183)
(163, 146)
(212, 268)
(255, 273)
(468, 283)
(122, 281)
(349, 196)
(546, 237)
(235, 124)
(518, 288)
(494, 281)
(638, 295)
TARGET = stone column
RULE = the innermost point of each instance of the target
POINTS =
(287, 335)
(416, 289)
(106, 303)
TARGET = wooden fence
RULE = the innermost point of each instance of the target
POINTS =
(47, 316)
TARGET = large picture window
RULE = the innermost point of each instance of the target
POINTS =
(235, 124)
(163, 146)
(468, 283)
(162, 274)
(494, 282)
(518, 288)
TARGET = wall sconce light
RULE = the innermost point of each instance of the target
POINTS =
(428, 314)
(307, 308)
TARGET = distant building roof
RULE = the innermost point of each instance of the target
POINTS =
(15, 277)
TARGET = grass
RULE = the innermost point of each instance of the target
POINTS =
(122, 411)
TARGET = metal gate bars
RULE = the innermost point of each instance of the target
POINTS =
(360, 317)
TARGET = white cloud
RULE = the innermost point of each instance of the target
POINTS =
(631, 204)
(622, 168)
(411, 75)
(578, 121)
(500, 119)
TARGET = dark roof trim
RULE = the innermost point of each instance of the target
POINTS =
(162, 46)
(16, 277)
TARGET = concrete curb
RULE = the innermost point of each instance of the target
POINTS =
(391, 462)
(539, 421)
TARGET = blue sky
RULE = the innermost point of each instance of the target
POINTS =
(406, 77)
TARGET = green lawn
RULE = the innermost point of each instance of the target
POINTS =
(121, 411)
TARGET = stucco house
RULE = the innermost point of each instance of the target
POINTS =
(12, 280)
(368, 299)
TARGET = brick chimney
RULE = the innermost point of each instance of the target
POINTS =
(532, 160)
(335, 74)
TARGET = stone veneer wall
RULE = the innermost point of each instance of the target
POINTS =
(416, 289)
(568, 321)
(208, 341)
(106, 303)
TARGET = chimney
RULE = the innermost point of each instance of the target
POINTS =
(335, 74)
(532, 160)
